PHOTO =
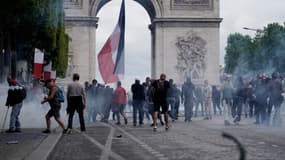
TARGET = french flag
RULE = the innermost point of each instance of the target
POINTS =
(38, 64)
(111, 58)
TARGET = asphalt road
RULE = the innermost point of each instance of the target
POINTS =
(197, 140)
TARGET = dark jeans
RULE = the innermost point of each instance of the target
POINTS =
(237, 109)
(216, 105)
(251, 108)
(277, 120)
(107, 110)
(198, 102)
(14, 118)
(75, 104)
(177, 105)
(260, 112)
(188, 110)
(171, 102)
(138, 108)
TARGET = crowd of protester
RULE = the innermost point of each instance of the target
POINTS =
(259, 98)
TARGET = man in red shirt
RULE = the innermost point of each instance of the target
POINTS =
(120, 101)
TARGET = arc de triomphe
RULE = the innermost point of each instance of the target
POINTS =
(184, 37)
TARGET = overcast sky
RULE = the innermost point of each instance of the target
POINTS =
(236, 14)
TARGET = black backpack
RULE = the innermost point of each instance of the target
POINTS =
(23, 93)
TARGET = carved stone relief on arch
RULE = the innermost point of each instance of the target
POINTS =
(191, 56)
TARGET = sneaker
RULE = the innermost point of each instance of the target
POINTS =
(256, 123)
(166, 128)
(46, 131)
(206, 118)
(10, 131)
(65, 131)
(69, 131)
(235, 122)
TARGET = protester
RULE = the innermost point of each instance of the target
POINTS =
(120, 101)
(108, 104)
(207, 95)
(261, 95)
(177, 101)
(16, 95)
(160, 88)
(138, 102)
(149, 103)
(199, 100)
(55, 106)
(227, 99)
(275, 99)
(76, 101)
(171, 99)
(187, 96)
(216, 99)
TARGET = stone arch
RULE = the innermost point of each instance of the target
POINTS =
(171, 20)
(152, 7)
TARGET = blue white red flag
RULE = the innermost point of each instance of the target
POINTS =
(111, 58)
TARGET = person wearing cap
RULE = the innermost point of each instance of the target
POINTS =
(15, 100)
(54, 106)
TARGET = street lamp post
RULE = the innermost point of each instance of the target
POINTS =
(258, 32)
(251, 29)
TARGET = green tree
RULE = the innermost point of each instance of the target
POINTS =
(239, 50)
(262, 53)
(29, 24)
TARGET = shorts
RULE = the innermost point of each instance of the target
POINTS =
(54, 112)
(160, 104)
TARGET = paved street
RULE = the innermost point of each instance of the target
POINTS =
(200, 139)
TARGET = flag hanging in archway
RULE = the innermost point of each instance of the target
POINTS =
(111, 58)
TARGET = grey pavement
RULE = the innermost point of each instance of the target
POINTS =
(197, 140)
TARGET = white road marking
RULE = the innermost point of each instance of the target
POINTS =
(103, 148)
(108, 145)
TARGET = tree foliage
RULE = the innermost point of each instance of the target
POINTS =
(262, 53)
(29, 24)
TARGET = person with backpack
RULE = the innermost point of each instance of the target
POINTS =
(16, 95)
(76, 101)
(55, 105)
